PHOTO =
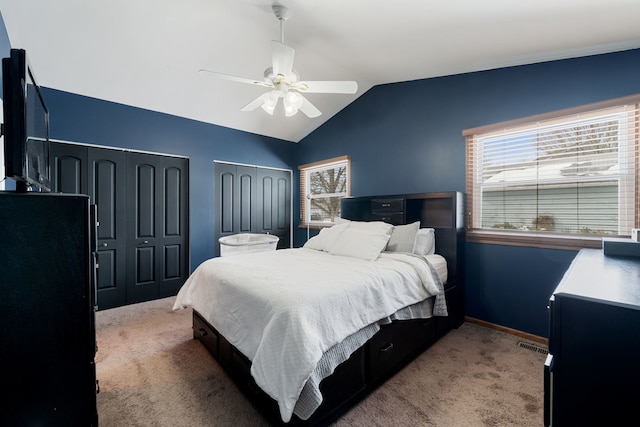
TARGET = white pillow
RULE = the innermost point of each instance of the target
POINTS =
(425, 243)
(403, 238)
(327, 237)
(372, 226)
(361, 243)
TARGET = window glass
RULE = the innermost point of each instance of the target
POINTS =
(322, 186)
(567, 175)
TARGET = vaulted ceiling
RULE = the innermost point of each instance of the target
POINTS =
(147, 53)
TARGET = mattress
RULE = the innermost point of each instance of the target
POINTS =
(439, 264)
(303, 312)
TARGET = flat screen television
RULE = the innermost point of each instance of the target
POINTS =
(26, 125)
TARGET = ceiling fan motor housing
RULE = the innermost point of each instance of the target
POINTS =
(271, 78)
(282, 12)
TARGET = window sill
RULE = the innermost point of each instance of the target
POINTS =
(535, 240)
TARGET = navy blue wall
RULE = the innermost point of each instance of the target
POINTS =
(407, 137)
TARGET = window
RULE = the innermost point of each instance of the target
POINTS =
(322, 185)
(564, 179)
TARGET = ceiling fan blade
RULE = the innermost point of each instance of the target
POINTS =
(326, 86)
(282, 59)
(256, 102)
(309, 109)
(234, 78)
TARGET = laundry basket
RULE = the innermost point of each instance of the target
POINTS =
(245, 243)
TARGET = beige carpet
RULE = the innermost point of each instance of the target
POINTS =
(152, 373)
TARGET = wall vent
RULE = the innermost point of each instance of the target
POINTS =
(533, 347)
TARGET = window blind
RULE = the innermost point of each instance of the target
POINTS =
(571, 173)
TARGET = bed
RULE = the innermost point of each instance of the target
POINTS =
(308, 332)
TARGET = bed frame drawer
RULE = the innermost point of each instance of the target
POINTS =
(394, 344)
(203, 332)
(388, 210)
(394, 218)
(348, 381)
(387, 205)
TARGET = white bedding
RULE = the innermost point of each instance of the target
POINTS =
(439, 263)
(283, 309)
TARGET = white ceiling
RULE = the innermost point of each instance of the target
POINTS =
(147, 53)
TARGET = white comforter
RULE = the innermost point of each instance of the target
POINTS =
(283, 309)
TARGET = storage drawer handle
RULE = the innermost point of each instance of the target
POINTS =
(387, 347)
(203, 332)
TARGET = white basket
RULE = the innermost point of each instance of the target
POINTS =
(245, 243)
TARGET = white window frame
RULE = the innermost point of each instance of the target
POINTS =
(306, 197)
(625, 109)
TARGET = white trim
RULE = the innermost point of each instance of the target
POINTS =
(128, 150)
(224, 162)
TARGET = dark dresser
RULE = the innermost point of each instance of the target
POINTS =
(47, 310)
(593, 367)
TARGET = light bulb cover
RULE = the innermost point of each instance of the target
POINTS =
(292, 102)
(270, 102)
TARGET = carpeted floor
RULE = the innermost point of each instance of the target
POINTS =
(152, 373)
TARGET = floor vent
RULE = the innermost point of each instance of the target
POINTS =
(533, 347)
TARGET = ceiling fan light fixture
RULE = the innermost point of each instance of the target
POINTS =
(292, 103)
(270, 102)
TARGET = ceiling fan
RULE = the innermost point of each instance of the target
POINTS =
(284, 81)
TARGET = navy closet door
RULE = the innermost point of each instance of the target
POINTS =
(99, 173)
(140, 198)
(274, 204)
(107, 184)
(235, 198)
(250, 199)
(157, 263)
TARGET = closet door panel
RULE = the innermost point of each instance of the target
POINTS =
(145, 200)
(158, 235)
(246, 182)
(142, 242)
(172, 197)
(266, 204)
(105, 194)
(68, 168)
(172, 261)
(106, 174)
(274, 204)
(225, 195)
(282, 209)
(173, 216)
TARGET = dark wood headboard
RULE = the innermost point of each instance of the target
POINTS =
(442, 211)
